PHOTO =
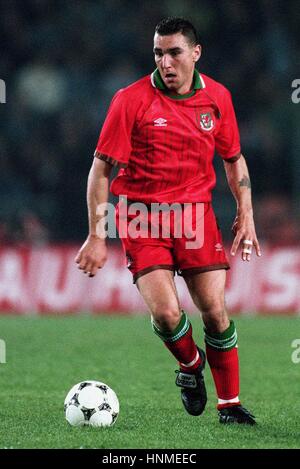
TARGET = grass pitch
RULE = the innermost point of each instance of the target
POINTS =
(47, 355)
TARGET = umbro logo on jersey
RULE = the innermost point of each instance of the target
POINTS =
(160, 122)
(219, 247)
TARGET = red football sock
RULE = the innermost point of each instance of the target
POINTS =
(224, 366)
(222, 356)
(181, 344)
(185, 351)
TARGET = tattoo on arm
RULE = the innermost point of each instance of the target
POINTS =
(245, 182)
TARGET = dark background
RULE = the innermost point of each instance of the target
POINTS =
(62, 61)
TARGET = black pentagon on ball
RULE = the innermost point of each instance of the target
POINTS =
(103, 388)
(73, 401)
(104, 406)
(87, 413)
(84, 385)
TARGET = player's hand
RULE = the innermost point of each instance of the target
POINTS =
(92, 255)
(245, 236)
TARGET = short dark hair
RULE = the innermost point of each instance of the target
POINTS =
(173, 25)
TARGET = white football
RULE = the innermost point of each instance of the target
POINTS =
(91, 403)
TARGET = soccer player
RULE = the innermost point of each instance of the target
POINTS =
(162, 131)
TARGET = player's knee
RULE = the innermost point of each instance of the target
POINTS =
(212, 308)
(166, 317)
(215, 317)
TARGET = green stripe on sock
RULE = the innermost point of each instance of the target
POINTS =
(179, 331)
(222, 335)
(222, 346)
(226, 340)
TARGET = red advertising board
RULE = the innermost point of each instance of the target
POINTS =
(46, 280)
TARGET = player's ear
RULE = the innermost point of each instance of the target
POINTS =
(197, 52)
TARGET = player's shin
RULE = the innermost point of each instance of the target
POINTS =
(181, 344)
(222, 356)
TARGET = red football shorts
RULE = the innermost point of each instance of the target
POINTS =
(185, 239)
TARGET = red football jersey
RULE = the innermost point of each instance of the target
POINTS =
(165, 144)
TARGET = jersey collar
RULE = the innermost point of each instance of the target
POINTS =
(157, 82)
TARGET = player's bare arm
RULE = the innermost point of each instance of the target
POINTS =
(243, 227)
(93, 253)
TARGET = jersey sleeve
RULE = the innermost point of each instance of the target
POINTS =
(228, 137)
(114, 144)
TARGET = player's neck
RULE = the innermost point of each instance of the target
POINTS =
(186, 88)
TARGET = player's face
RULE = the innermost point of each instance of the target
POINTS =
(175, 59)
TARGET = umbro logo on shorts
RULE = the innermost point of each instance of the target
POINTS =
(219, 247)
(160, 122)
